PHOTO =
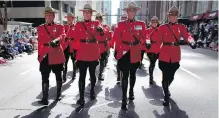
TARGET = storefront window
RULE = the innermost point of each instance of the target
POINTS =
(202, 7)
(214, 5)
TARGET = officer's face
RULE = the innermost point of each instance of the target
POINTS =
(87, 15)
(99, 19)
(70, 19)
(173, 17)
(154, 23)
(131, 13)
(49, 17)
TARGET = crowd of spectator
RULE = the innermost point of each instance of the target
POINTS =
(17, 43)
(205, 34)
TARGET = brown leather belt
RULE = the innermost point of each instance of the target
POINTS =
(131, 43)
(71, 39)
(153, 42)
(171, 43)
(88, 41)
(46, 44)
(101, 42)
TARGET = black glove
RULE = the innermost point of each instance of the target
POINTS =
(192, 45)
(99, 29)
(148, 45)
(54, 43)
(66, 39)
(115, 53)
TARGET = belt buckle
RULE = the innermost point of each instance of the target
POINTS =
(86, 41)
(131, 44)
(172, 44)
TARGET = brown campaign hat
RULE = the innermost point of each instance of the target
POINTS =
(154, 18)
(173, 10)
(131, 5)
(87, 7)
(49, 9)
(70, 14)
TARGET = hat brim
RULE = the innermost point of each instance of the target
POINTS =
(173, 13)
(50, 12)
(126, 8)
(71, 16)
(88, 10)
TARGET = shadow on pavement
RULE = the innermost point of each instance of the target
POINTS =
(154, 93)
(43, 112)
(84, 110)
(171, 112)
(114, 95)
(17, 116)
(130, 113)
(142, 72)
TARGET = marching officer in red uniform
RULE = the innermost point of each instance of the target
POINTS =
(153, 52)
(113, 44)
(88, 34)
(170, 54)
(103, 45)
(70, 45)
(129, 36)
(50, 53)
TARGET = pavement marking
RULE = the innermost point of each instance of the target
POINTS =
(23, 73)
(193, 74)
(99, 105)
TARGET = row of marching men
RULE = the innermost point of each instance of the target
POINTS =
(87, 42)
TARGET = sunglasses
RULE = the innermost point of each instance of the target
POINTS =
(154, 22)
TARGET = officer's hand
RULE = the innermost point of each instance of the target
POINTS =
(115, 53)
(66, 39)
(148, 44)
(99, 29)
(192, 45)
(54, 43)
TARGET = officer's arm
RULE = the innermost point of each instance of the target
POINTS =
(40, 36)
(117, 37)
(62, 36)
(186, 35)
(160, 35)
(144, 34)
(76, 32)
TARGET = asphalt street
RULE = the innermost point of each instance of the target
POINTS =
(194, 91)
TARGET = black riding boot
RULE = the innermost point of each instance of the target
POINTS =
(118, 75)
(74, 73)
(124, 94)
(64, 73)
(45, 90)
(59, 90)
(165, 86)
(81, 91)
(151, 79)
(92, 92)
(100, 77)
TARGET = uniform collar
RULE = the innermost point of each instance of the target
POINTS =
(154, 28)
(71, 24)
(87, 20)
(131, 20)
(49, 24)
(172, 23)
